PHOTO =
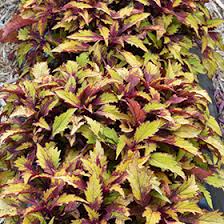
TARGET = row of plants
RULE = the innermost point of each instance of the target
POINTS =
(107, 122)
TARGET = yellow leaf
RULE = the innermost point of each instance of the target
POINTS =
(211, 218)
(68, 97)
(186, 145)
(22, 111)
(213, 124)
(113, 113)
(131, 59)
(85, 35)
(216, 143)
(71, 46)
(192, 22)
(139, 179)
(188, 189)
(147, 129)
(67, 198)
(176, 3)
(94, 125)
(151, 216)
(79, 5)
(166, 161)
(187, 206)
(6, 210)
(144, 2)
(40, 70)
(152, 69)
(154, 106)
(93, 191)
(214, 23)
(93, 215)
(157, 2)
(48, 157)
(126, 11)
(134, 19)
(134, 40)
(187, 131)
(105, 32)
(43, 124)
(121, 144)
(15, 188)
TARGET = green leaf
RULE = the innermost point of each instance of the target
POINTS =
(121, 144)
(48, 157)
(166, 162)
(207, 195)
(68, 97)
(110, 135)
(146, 130)
(214, 23)
(216, 180)
(61, 122)
(83, 59)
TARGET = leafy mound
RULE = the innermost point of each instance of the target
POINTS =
(110, 126)
(117, 33)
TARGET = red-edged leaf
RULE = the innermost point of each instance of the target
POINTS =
(137, 112)
(8, 33)
(201, 173)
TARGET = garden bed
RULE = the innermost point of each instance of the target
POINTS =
(91, 107)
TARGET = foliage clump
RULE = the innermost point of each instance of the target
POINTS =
(107, 123)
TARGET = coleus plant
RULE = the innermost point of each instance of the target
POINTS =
(111, 126)
(82, 146)
(112, 30)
